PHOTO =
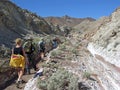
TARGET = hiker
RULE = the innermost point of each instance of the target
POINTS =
(54, 43)
(42, 48)
(38, 73)
(29, 49)
(18, 50)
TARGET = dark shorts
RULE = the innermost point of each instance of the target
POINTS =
(42, 50)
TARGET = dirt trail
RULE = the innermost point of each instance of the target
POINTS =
(12, 86)
(26, 78)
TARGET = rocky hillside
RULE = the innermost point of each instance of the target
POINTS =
(16, 22)
(88, 26)
(105, 44)
(103, 40)
(91, 52)
(106, 41)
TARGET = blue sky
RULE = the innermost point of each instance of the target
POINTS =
(73, 8)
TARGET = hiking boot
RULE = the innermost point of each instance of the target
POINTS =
(17, 84)
(20, 82)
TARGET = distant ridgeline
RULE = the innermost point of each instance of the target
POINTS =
(16, 22)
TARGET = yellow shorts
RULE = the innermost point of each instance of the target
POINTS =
(17, 61)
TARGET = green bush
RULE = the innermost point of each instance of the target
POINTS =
(53, 54)
(42, 84)
(86, 75)
(61, 80)
(73, 85)
(5, 52)
(62, 47)
(56, 53)
(74, 51)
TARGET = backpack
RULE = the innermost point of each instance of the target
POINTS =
(28, 47)
(41, 45)
(54, 44)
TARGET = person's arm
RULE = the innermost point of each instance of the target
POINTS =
(12, 51)
(23, 53)
(33, 47)
(25, 56)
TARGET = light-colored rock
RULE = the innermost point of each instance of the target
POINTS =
(32, 84)
(106, 42)
(105, 46)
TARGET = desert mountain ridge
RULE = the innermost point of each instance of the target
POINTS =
(90, 49)
(16, 22)
(66, 20)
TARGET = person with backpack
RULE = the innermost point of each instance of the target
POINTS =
(42, 48)
(18, 51)
(29, 49)
(54, 43)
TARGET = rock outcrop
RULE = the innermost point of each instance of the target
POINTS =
(106, 41)
(105, 46)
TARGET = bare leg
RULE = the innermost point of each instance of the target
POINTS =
(42, 55)
(20, 74)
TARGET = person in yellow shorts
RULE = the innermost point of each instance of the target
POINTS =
(20, 65)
